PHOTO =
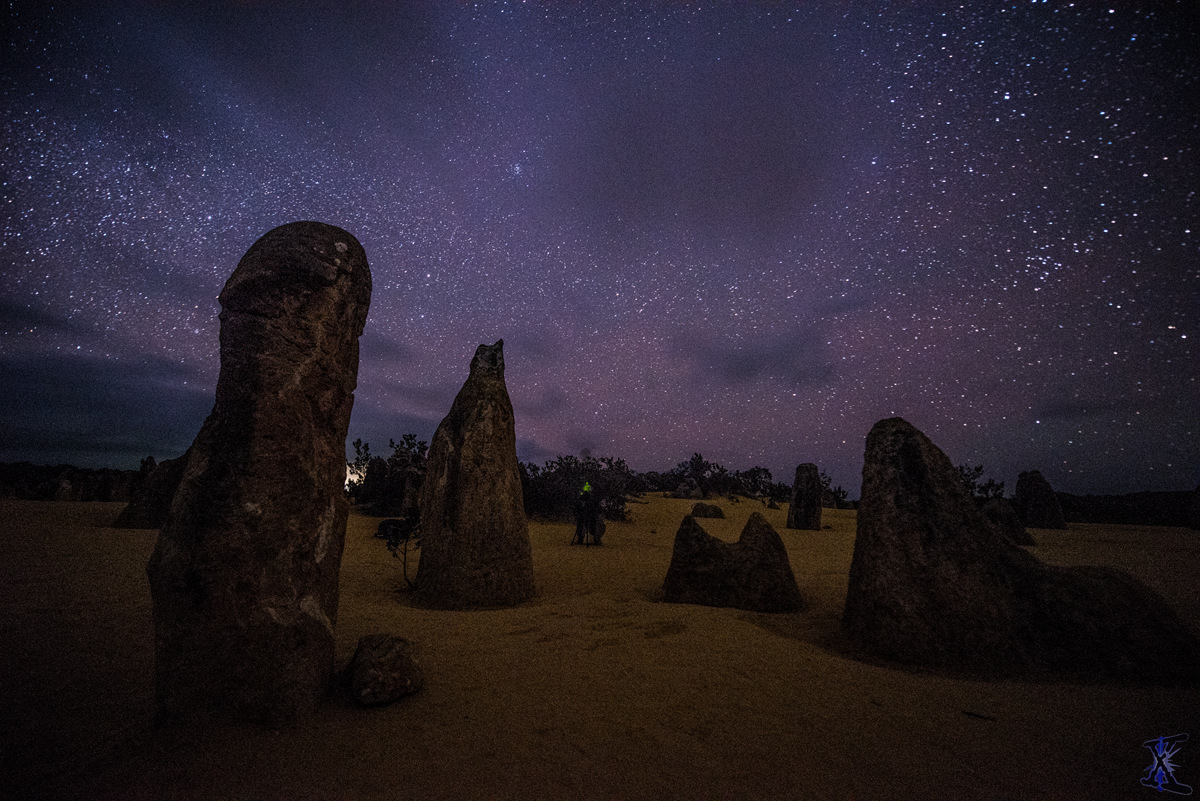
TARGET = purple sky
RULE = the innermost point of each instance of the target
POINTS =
(748, 230)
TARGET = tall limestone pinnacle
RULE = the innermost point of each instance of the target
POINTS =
(804, 511)
(244, 577)
(475, 548)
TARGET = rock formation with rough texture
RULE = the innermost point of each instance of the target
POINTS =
(753, 573)
(475, 548)
(707, 510)
(152, 496)
(383, 670)
(932, 583)
(1036, 502)
(1001, 514)
(804, 512)
(244, 578)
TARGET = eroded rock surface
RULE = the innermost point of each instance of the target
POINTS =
(152, 495)
(804, 512)
(753, 573)
(1001, 514)
(932, 583)
(475, 548)
(383, 670)
(1036, 502)
(707, 510)
(244, 577)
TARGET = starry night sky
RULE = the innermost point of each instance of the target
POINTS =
(748, 230)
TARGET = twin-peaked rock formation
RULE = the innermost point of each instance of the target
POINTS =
(752, 573)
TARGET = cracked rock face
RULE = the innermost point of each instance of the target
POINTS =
(475, 548)
(244, 577)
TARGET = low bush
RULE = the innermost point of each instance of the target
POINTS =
(551, 490)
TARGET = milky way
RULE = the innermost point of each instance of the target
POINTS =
(745, 230)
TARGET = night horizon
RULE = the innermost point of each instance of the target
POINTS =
(746, 231)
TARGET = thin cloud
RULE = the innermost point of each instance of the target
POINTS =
(56, 406)
(799, 359)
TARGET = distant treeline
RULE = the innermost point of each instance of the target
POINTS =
(30, 482)
(1138, 508)
(389, 486)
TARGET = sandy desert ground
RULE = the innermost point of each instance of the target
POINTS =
(594, 690)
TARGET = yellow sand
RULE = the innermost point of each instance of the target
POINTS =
(594, 690)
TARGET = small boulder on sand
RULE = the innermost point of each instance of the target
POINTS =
(383, 670)
(707, 510)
